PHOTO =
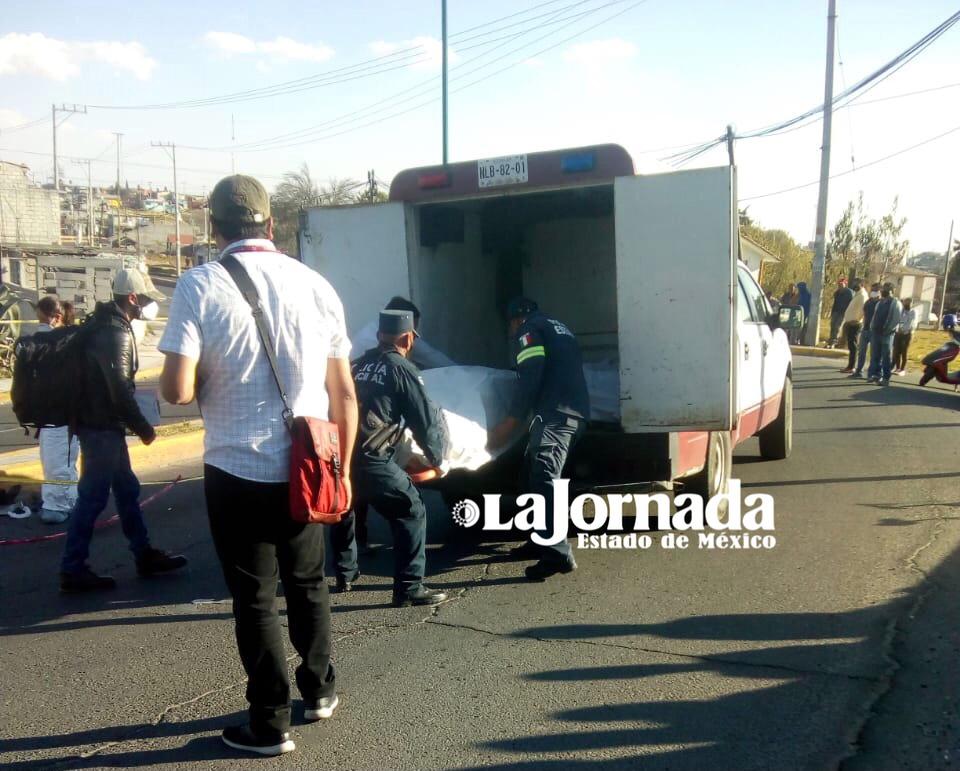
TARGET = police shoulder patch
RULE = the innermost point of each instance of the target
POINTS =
(525, 340)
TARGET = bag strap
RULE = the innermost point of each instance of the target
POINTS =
(244, 283)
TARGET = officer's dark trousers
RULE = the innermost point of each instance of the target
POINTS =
(258, 544)
(552, 437)
(386, 487)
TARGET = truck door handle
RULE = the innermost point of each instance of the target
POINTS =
(764, 347)
(746, 350)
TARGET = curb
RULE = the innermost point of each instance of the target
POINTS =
(809, 350)
(165, 450)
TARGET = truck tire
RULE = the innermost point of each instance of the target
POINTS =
(714, 478)
(776, 440)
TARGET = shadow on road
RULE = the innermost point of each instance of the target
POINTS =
(741, 730)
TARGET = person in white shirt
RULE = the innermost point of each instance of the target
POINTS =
(903, 336)
(853, 321)
(58, 450)
(213, 351)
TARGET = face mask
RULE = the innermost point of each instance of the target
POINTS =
(149, 311)
(874, 294)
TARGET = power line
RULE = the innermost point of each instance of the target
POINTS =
(27, 125)
(851, 171)
(854, 92)
(370, 67)
(321, 131)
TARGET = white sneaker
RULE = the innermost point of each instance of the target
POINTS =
(323, 709)
(53, 517)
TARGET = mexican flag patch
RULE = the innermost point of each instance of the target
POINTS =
(525, 340)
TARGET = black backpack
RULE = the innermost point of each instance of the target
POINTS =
(48, 376)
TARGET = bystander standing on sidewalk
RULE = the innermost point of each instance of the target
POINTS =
(903, 336)
(853, 322)
(214, 352)
(886, 318)
(873, 299)
(58, 450)
(841, 299)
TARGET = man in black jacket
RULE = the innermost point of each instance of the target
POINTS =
(106, 409)
(391, 396)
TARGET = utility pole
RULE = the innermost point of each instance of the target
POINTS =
(730, 138)
(443, 32)
(176, 195)
(118, 135)
(89, 206)
(820, 240)
(946, 274)
(74, 108)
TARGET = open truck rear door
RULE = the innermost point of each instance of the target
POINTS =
(362, 252)
(676, 277)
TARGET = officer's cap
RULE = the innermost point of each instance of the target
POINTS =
(394, 322)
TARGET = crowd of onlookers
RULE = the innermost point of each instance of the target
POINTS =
(873, 323)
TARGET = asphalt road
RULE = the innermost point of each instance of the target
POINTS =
(839, 646)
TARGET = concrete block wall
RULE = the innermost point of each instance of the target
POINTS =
(28, 214)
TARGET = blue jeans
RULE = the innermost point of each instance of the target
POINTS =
(881, 356)
(388, 488)
(552, 437)
(105, 466)
(862, 351)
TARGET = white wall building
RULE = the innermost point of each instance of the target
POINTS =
(28, 214)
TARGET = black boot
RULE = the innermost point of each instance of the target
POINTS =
(542, 570)
(85, 581)
(155, 561)
(419, 596)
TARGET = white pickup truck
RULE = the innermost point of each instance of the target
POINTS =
(643, 269)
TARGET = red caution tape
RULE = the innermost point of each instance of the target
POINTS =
(97, 526)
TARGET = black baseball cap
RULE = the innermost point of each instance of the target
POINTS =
(393, 322)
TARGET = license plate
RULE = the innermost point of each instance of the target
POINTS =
(508, 170)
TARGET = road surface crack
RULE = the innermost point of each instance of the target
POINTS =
(894, 631)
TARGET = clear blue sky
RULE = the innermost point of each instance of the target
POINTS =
(662, 74)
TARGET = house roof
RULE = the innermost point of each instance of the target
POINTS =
(768, 256)
(912, 272)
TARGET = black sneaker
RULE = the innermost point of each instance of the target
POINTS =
(419, 596)
(242, 737)
(155, 561)
(542, 570)
(85, 581)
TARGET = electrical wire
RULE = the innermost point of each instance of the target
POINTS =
(408, 94)
(322, 131)
(27, 125)
(852, 93)
(378, 65)
(851, 171)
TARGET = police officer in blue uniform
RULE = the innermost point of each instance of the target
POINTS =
(391, 398)
(552, 388)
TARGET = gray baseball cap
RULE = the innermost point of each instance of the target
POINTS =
(133, 281)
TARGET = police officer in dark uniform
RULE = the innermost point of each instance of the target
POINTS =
(392, 397)
(552, 387)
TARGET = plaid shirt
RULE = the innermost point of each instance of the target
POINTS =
(238, 396)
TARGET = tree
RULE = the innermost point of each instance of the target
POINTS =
(862, 246)
(795, 261)
(297, 190)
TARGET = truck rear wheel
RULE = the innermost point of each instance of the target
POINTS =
(776, 440)
(714, 478)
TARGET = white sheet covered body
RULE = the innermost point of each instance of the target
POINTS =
(475, 399)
